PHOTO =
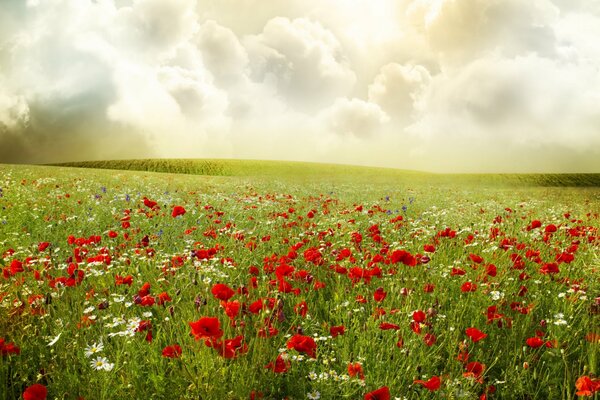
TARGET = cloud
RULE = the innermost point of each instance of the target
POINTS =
(354, 117)
(459, 29)
(303, 60)
(397, 88)
(222, 53)
(446, 84)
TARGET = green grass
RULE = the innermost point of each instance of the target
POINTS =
(305, 170)
(234, 210)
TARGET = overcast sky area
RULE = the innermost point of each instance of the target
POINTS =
(434, 85)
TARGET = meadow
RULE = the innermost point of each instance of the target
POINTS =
(263, 280)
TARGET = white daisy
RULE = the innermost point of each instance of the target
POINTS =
(93, 349)
(101, 363)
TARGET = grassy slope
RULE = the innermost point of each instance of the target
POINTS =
(304, 170)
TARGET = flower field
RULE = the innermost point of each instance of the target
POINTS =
(136, 285)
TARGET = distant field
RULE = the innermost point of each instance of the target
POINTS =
(302, 170)
(266, 280)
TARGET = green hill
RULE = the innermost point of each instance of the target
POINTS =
(317, 171)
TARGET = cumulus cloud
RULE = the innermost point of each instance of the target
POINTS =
(466, 28)
(354, 117)
(398, 88)
(303, 60)
(448, 84)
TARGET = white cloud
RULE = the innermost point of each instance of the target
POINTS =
(14, 110)
(303, 60)
(301, 79)
(398, 88)
(354, 117)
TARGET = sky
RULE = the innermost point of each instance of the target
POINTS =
(433, 85)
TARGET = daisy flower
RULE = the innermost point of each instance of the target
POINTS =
(101, 363)
(93, 349)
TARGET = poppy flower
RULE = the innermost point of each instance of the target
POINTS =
(550, 228)
(474, 370)
(173, 351)
(206, 328)
(379, 294)
(385, 326)
(230, 348)
(301, 309)
(232, 308)
(432, 384)
(429, 248)
(355, 370)
(477, 259)
(256, 307)
(587, 386)
(177, 211)
(336, 331)
(280, 366)
(429, 339)
(534, 342)
(549, 268)
(468, 287)
(222, 292)
(149, 203)
(303, 344)
(8, 348)
(419, 316)
(404, 257)
(35, 392)
(475, 334)
(382, 393)
(43, 246)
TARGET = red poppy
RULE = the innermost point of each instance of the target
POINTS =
(230, 348)
(232, 308)
(280, 366)
(404, 257)
(173, 351)
(149, 203)
(206, 328)
(534, 342)
(550, 228)
(384, 326)
(35, 392)
(419, 316)
(379, 394)
(303, 344)
(587, 386)
(336, 331)
(429, 248)
(177, 211)
(222, 292)
(491, 270)
(8, 348)
(256, 307)
(429, 339)
(163, 298)
(475, 334)
(379, 294)
(468, 287)
(355, 370)
(549, 268)
(43, 246)
(474, 370)
(476, 258)
(301, 309)
(432, 384)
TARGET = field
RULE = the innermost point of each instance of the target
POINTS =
(266, 280)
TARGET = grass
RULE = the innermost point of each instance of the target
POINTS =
(300, 231)
(304, 170)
